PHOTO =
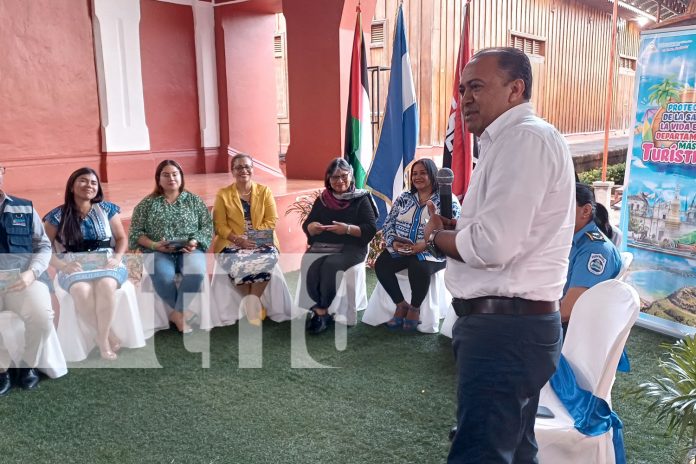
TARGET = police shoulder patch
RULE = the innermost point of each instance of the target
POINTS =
(595, 236)
(596, 263)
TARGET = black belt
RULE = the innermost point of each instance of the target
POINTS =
(503, 305)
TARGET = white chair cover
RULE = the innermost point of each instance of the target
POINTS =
(155, 315)
(351, 296)
(626, 260)
(601, 322)
(51, 360)
(226, 301)
(380, 308)
(448, 323)
(77, 339)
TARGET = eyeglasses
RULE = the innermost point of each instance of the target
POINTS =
(342, 178)
(3, 169)
(245, 167)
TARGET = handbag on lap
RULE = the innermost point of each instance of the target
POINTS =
(323, 247)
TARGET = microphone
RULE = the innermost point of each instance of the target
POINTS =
(445, 177)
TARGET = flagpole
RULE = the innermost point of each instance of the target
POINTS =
(610, 83)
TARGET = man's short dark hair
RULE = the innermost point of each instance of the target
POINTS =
(514, 62)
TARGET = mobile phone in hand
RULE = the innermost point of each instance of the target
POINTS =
(404, 240)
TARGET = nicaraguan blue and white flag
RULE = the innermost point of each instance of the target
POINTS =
(397, 141)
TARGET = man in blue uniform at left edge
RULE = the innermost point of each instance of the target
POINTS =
(25, 252)
(593, 257)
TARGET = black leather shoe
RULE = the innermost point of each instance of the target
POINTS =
(322, 324)
(5, 383)
(452, 433)
(27, 378)
(311, 321)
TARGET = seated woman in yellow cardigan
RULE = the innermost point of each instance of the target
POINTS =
(246, 245)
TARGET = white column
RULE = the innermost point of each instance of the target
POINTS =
(117, 44)
(206, 72)
(602, 193)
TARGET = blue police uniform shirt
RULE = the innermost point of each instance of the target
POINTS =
(593, 258)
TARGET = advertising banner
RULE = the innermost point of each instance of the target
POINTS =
(658, 212)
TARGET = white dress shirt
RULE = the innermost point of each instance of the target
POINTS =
(517, 219)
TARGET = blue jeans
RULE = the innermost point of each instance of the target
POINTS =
(503, 362)
(191, 266)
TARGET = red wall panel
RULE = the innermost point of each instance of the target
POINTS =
(250, 83)
(49, 112)
(168, 57)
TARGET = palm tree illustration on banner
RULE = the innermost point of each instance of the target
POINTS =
(662, 94)
(665, 92)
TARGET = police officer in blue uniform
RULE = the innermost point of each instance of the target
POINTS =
(593, 257)
(25, 252)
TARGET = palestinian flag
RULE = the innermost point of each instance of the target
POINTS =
(358, 149)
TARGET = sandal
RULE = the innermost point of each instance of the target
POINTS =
(177, 318)
(107, 353)
(115, 343)
(410, 325)
(193, 319)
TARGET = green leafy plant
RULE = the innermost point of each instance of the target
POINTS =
(303, 205)
(674, 395)
(375, 248)
(615, 173)
(134, 264)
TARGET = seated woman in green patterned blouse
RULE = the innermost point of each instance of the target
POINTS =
(175, 225)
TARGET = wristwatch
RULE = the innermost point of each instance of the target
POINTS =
(37, 274)
(432, 247)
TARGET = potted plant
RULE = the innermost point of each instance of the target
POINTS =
(674, 395)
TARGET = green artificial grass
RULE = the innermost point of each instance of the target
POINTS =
(389, 398)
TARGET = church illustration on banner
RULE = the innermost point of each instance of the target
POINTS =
(666, 226)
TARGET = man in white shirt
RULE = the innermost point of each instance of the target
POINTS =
(25, 252)
(507, 261)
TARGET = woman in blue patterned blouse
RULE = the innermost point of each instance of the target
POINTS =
(406, 246)
(88, 235)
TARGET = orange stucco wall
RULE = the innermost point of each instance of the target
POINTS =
(247, 83)
(170, 90)
(49, 112)
(320, 36)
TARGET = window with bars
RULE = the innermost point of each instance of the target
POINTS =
(529, 45)
(627, 62)
(278, 45)
(377, 33)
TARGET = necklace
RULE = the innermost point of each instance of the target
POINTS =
(245, 194)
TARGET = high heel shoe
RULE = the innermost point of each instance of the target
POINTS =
(410, 325)
(396, 322)
(255, 317)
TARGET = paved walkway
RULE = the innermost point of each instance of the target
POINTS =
(596, 145)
